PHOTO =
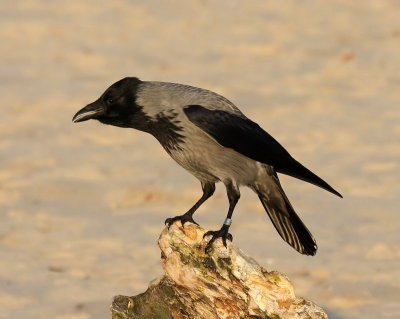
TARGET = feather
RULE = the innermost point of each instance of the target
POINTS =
(249, 139)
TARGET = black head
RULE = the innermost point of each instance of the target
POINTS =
(116, 106)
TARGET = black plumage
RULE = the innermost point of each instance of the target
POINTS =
(249, 139)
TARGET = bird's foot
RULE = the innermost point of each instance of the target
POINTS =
(222, 233)
(182, 218)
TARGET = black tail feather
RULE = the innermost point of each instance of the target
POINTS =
(289, 225)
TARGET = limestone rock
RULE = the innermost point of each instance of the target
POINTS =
(224, 284)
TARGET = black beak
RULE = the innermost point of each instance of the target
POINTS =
(90, 111)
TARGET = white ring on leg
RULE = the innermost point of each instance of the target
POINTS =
(228, 222)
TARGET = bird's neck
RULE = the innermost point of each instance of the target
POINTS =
(167, 130)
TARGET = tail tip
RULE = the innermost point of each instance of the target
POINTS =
(309, 250)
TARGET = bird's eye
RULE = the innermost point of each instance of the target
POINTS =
(109, 101)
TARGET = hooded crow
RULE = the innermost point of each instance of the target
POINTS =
(212, 139)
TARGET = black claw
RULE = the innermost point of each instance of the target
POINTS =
(182, 218)
(208, 248)
(222, 233)
(210, 232)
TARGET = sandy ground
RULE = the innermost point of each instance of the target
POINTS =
(82, 205)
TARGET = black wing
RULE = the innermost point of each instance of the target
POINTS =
(249, 139)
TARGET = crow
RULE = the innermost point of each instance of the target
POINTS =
(211, 138)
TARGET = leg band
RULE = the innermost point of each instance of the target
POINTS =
(228, 222)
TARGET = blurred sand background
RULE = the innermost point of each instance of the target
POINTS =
(82, 204)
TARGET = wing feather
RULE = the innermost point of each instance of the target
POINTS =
(248, 138)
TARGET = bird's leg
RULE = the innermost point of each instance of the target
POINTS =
(208, 191)
(233, 196)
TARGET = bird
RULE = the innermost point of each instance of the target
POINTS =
(211, 138)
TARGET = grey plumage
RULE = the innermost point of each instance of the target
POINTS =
(211, 138)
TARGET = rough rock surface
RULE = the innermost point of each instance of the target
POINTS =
(223, 284)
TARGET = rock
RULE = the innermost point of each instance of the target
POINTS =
(222, 284)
